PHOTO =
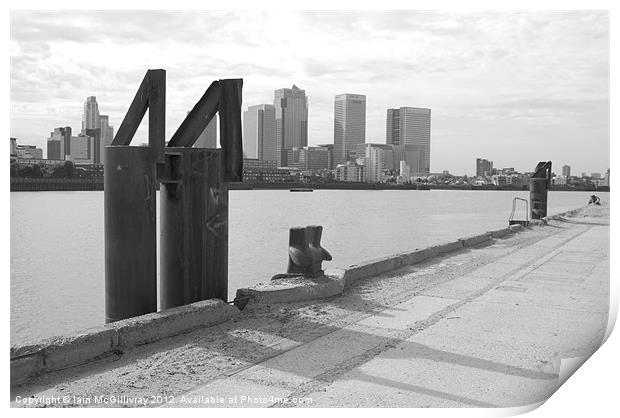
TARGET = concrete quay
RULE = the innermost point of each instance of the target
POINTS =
(480, 326)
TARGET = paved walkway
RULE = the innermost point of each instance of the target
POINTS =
(485, 327)
(491, 338)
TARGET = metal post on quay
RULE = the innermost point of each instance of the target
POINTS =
(193, 202)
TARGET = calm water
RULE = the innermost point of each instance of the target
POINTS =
(57, 273)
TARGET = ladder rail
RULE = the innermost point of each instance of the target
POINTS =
(514, 207)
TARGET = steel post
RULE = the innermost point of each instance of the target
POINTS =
(538, 197)
(539, 185)
(130, 235)
(194, 227)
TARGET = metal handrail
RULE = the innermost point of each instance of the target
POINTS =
(514, 207)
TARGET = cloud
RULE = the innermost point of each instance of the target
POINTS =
(477, 71)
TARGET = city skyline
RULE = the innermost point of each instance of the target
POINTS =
(487, 95)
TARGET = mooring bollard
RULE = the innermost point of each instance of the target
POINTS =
(194, 202)
(539, 185)
(305, 254)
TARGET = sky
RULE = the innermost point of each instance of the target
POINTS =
(512, 87)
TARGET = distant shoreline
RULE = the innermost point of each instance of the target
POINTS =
(19, 184)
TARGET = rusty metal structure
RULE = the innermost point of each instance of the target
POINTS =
(193, 202)
(539, 187)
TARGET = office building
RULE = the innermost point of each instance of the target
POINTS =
(28, 151)
(255, 170)
(309, 158)
(499, 180)
(566, 171)
(90, 116)
(82, 149)
(107, 133)
(413, 155)
(330, 155)
(13, 147)
(596, 176)
(411, 126)
(208, 137)
(560, 181)
(350, 172)
(96, 126)
(55, 149)
(291, 114)
(97, 148)
(59, 144)
(377, 158)
(349, 125)
(404, 170)
(259, 133)
(484, 168)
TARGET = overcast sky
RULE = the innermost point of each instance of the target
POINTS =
(515, 88)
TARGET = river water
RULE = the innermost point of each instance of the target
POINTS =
(57, 256)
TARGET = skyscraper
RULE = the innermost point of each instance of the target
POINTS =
(566, 171)
(413, 155)
(107, 131)
(208, 137)
(59, 144)
(484, 168)
(96, 148)
(349, 125)
(259, 133)
(291, 114)
(97, 127)
(90, 117)
(411, 126)
(107, 134)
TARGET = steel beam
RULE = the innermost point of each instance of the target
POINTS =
(194, 227)
(130, 236)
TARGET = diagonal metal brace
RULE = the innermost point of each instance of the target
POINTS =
(151, 95)
(223, 97)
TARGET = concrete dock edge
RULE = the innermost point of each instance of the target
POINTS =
(67, 351)
(295, 289)
(475, 240)
(61, 352)
(305, 290)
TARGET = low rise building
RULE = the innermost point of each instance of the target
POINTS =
(499, 180)
(29, 151)
(350, 172)
(255, 170)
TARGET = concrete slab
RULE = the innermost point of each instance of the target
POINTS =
(410, 374)
(460, 288)
(230, 393)
(406, 314)
(561, 329)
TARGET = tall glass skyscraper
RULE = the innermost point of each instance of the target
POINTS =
(349, 125)
(291, 109)
(411, 126)
(259, 133)
(90, 117)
